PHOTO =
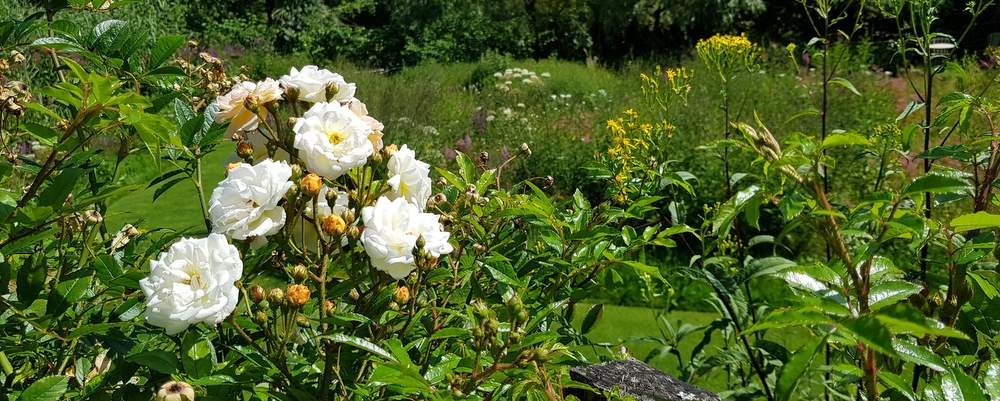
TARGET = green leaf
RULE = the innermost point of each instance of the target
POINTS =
(359, 343)
(197, 354)
(871, 332)
(958, 386)
(937, 184)
(44, 135)
(592, 315)
(796, 366)
(157, 360)
(910, 109)
(905, 319)
(897, 383)
(50, 388)
(30, 281)
(164, 47)
(66, 294)
(843, 82)
(915, 353)
(783, 318)
(890, 292)
(975, 221)
(845, 139)
(991, 379)
(57, 191)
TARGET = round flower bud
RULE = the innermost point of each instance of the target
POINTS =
(522, 316)
(348, 216)
(330, 307)
(276, 297)
(479, 248)
(421, 242)
(402, 295)
(354, 232)
(302, 321)
(300, 272)
(257, 293)
(296, 172)
(333, 225)
(260, 317)
(525, 149)
(298, 295)
(331, 198)
(251, 103)
(394, 306)
(311, 184)
(331, 91)
(93, 216)
(354, 294)
(175, 391)
(244, 150)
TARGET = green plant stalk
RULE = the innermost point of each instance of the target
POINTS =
(200, 189)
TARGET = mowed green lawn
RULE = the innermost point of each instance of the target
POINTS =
(178, 208)
(626, 326)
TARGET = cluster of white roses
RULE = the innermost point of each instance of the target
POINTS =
(194, 281)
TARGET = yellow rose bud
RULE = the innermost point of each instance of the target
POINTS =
(257, 293)
(311, 184)
(333, 225)
(298, 295)
(402, 295)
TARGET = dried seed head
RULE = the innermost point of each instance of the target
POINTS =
(175, 391)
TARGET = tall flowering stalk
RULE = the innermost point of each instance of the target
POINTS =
(727, 56)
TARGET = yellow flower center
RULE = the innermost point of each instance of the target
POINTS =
(335, 136)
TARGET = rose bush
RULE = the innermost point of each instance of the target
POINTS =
(330, 266)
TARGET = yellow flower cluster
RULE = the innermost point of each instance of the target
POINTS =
(634, 150)
(677, 85)
(727, 54)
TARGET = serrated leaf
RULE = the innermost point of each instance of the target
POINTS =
(975, 221)
(157, 360)
(164, 47)
(789, 376)
(49, 388)
(890, 292)
(915, 353)
(871, 332)
(359, 343)
(936, 184)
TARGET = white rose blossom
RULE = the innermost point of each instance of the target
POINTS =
(313, 83)
(232, 105)
(391, 231)
(192, 282)
(409, 178)
(331, 140)
(245, 204)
